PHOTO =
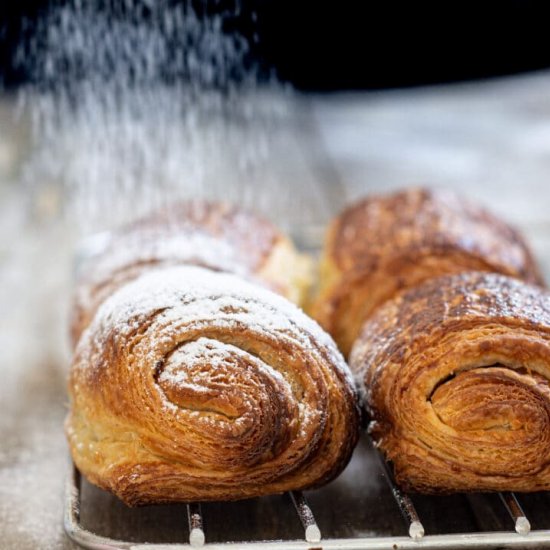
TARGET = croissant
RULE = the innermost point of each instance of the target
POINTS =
(386, 243)
(456, 377)
(192, 385)
(215, 235)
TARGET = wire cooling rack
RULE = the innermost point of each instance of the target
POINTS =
(518, 535)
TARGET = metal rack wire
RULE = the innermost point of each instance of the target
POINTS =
(520, 534)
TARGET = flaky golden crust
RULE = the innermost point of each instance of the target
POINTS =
(456, 377)
(215, 235)
(384, 244)
(191, 385)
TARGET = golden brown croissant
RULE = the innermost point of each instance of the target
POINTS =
(386, 243)
(192, 385)
(456, 376)
(215, 235)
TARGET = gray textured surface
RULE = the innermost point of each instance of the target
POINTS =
(491, 140)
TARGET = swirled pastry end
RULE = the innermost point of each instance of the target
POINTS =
(192, 385)
(456, 377)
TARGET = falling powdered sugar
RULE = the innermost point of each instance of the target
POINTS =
(136, 103)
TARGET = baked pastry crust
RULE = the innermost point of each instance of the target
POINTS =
(191, 385)
(215, 235)
(383, 244)
(455, 374)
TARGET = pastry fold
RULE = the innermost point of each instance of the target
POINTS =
(215, 235)
(191, 385)
(383, 244)
(456, 377)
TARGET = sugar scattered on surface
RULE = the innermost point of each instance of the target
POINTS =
(31, 492)
(33, 364)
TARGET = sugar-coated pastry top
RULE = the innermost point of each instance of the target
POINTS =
(215, 235)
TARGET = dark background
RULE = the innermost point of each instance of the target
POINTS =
(353, 44)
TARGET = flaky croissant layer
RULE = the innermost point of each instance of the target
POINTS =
(456, 376)
(384, 244)
(192, 385)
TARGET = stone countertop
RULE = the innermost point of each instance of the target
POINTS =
(490, 140)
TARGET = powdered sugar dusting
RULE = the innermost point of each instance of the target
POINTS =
(192, 295)
(160, 250)
(210, 372)
(201, 351)
(194, 247)
(212, 234)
